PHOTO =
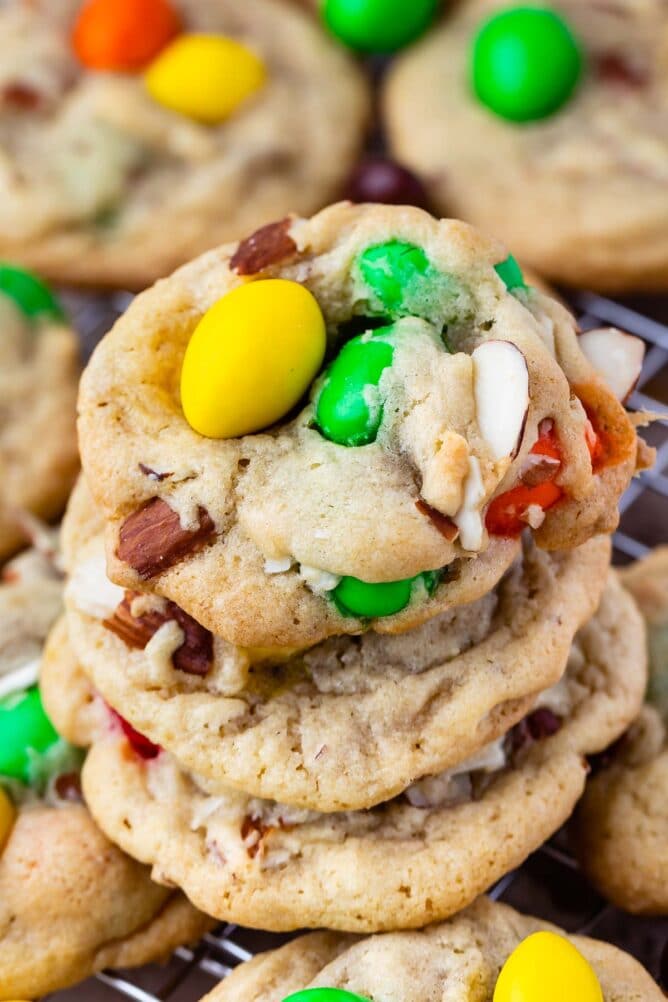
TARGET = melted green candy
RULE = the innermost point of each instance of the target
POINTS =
(349, 408)
(26, 734)
(403, 282)
(510, 274)
(325, 995)
(364, 600)
(31, 295)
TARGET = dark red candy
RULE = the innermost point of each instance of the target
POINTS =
(379, 180)
(139, 744)
(613, 68)
(542, 723)
(68, 787)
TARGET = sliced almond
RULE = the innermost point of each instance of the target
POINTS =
(616, 356)
(152, 539)
(501, 389)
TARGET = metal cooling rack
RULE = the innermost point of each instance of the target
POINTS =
(549, 884)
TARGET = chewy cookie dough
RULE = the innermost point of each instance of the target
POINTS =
(39, 374)
(415, 859)
(622, 822)
(112, 176)
(397, 491)
(459, 960)
(71, 903)
(580, 194)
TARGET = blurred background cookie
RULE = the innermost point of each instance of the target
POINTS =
(136, 133)
(546, 127)
(621, 831)
(39, 374)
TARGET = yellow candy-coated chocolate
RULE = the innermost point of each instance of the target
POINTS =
(205, 77)
(546, 967)
(251, 358)
(7, 817)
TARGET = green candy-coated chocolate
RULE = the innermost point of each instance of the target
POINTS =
(349, 408)
(403, 282)
(325, 995)
(431, 580)
(525, 63)
(378, 25)
(31, 295)
(510, 273)
(371, 601)
(390, 269)
(24, 729)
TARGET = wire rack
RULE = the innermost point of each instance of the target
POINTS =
(549, 883)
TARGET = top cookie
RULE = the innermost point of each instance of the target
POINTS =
(579, 191)
(427, 442)
(225, 131)
(39, 374)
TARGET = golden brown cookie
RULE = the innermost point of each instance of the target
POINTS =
(354, 720)
(415, 859)
(103, 184)
(71, 903)
(622, 823)
(581, 194)
(491, 419)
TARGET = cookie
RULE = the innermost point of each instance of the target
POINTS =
(417, 858)
(460, 959)
(420, 454)
(622, 822)
(578, 191)
(39, 373)
(105, 159)
(348, 723)
(71, 903)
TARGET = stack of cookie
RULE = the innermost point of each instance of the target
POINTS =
(338, 619)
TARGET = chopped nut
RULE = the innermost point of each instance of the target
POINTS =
(267, 246)
(194, 656)
(441, 523)
(152, 539)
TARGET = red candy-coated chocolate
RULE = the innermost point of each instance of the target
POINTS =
(123, 35)
(506, 515)
(379, 180)
(140, 744)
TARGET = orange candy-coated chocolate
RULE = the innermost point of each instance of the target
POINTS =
(123, 35)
